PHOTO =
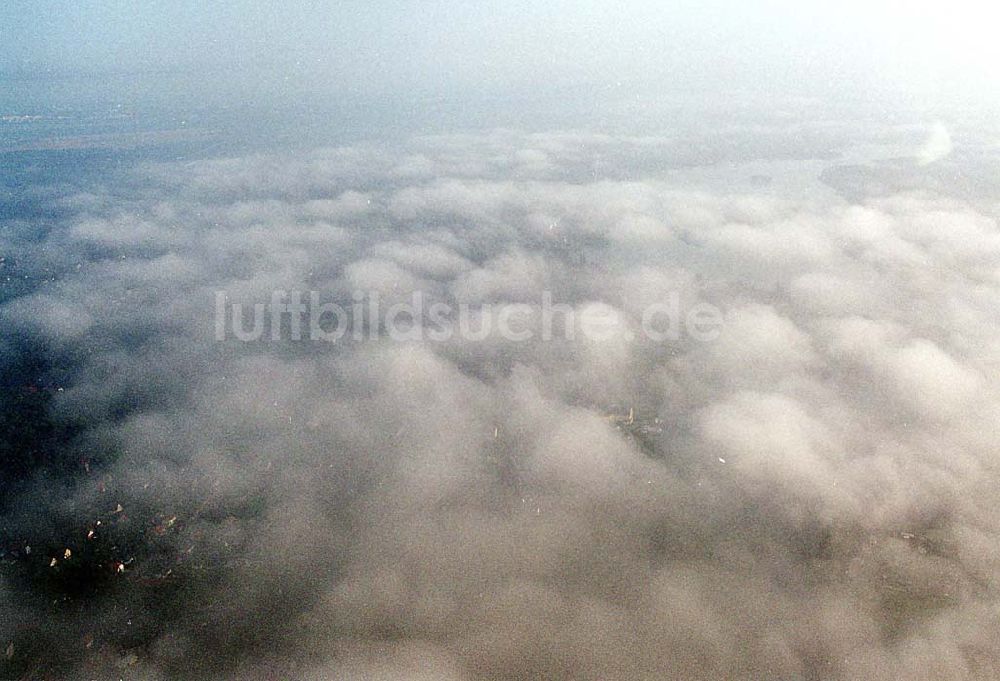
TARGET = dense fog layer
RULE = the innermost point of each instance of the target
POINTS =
(809, 492)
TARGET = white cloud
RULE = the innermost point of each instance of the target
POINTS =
(812, 490)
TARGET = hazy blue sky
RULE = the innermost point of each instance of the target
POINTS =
(275, 49)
